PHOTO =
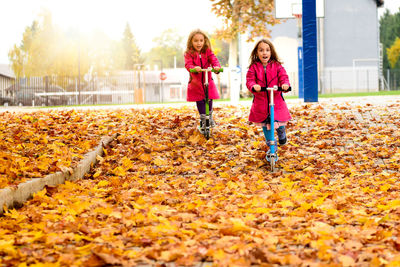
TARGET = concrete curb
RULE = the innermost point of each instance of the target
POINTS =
(11, 197)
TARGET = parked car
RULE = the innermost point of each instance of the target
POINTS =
(38, 96)
(6, 101)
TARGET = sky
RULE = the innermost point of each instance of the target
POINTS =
(147, 18)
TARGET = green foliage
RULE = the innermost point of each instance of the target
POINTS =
(389, 31)
(169, 47)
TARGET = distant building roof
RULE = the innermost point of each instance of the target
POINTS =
(6, 71)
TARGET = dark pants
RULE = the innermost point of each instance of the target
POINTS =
(201, 106)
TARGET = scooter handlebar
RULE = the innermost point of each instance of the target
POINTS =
(213, 70)
(278, 88)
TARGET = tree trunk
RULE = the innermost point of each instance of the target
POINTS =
(234, 86)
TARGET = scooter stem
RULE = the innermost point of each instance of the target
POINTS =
(272, 120)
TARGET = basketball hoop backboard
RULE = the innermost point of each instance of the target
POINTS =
(289, 9)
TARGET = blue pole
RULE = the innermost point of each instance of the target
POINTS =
(300, 72)
(310, 61)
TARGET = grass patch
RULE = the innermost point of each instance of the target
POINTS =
(360, 94)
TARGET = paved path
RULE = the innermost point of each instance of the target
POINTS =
(380, 100)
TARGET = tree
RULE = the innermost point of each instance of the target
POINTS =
(169, 47)
(130, 50)
(241, 16)
(45, 50)
(394, 53)
(221, 50)
(389, 30)
(32, 56)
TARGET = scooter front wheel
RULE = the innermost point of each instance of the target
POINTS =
(272, 159)
(272, 165)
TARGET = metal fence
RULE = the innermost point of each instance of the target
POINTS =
(392, 79)
(128, 88)
(139, 87)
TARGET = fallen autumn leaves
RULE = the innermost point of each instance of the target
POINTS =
(33, 145)
(163, 193)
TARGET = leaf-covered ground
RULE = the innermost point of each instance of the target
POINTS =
(35, 144)
(163, 194)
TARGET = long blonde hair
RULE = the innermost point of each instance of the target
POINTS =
(189, 44)
(274, 56)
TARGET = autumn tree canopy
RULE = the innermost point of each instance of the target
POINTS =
(394, 52)
(46, 49)
(240, 16)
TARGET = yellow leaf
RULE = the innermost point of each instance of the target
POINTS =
(286, 203)
(119, 171)
(97, 174)
(236, 226)
(218, 254)
(224, 175)
(384, 188)
(159, 162)
(103, 183)
(85, 250)
(145, 157)
(346, 260)
(127, 163)
(7, 247)
(394, 204)
(27, 117)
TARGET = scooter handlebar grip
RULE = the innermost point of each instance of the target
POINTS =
(288, 90)
(193, 70)
(218, 71)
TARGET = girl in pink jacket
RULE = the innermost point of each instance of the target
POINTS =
(265, 70)
(199, 56)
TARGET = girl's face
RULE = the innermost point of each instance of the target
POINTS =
(198, 42)
(264, 53)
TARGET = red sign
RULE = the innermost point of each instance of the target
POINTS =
(163, 76)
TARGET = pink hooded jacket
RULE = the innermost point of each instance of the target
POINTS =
(195, 90)
(275, 75)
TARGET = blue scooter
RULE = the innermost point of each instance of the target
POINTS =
(272, 154)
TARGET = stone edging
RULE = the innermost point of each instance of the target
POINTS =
(11, 197)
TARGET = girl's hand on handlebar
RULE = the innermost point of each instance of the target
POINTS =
(257, 88)
(197, 68)
(285, 87)
(216, 68)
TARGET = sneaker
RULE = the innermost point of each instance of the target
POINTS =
(282, 135)
(212, 122)
(201, 130)
(202, 122)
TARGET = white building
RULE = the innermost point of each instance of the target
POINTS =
(349, 58)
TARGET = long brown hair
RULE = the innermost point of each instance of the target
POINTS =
(274, 56)
(189, 44)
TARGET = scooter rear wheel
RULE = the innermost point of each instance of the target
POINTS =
(207, 133)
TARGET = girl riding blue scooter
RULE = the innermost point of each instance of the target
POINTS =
(266, 71)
